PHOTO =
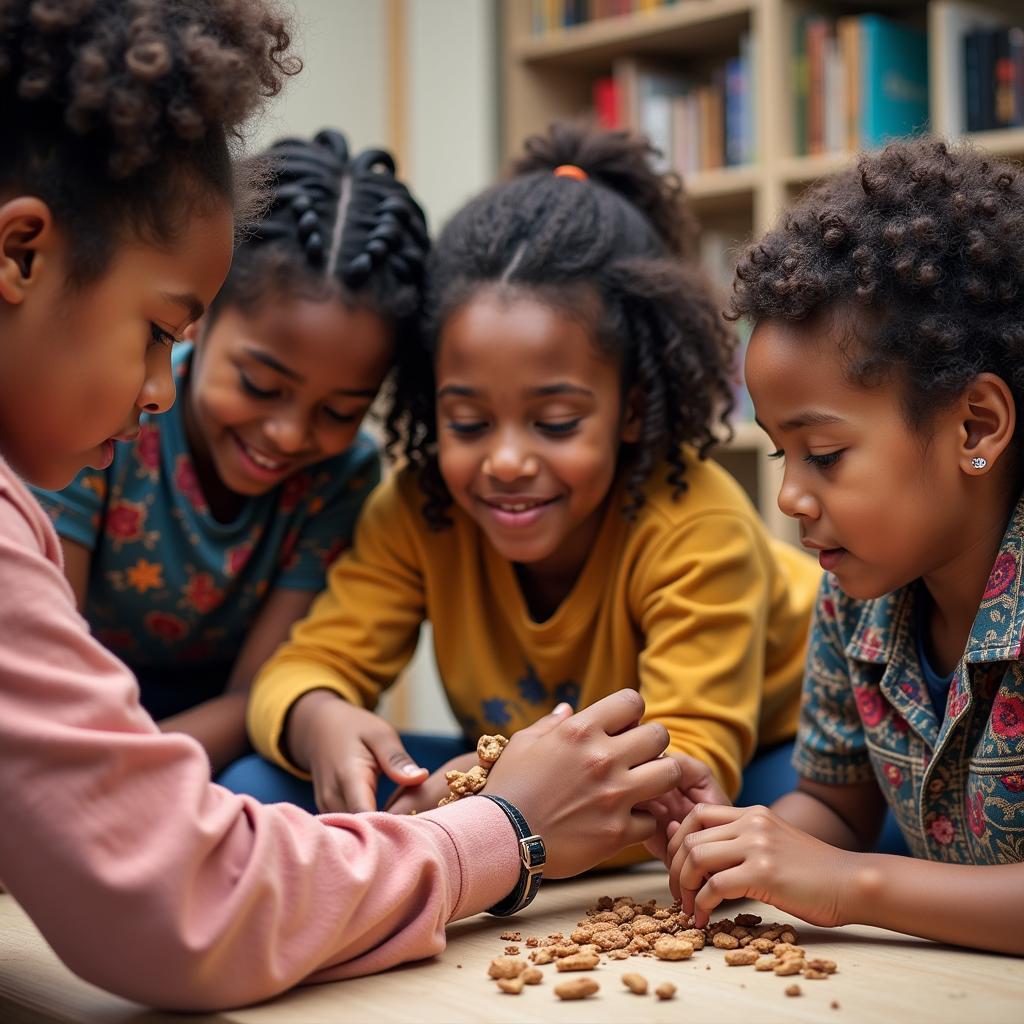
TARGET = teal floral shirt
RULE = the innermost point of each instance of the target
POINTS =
(955, 786)
(172, 588)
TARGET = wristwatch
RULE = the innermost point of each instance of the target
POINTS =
(533, 855)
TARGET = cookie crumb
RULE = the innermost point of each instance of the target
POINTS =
(793, 990)
(636, 983)
(666, 990)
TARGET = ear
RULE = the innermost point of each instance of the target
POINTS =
(988, 418)
(632, 417)
(27, 240)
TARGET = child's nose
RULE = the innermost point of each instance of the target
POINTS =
(509, 460)
(795, 500)
(157, 394)
(288, 433)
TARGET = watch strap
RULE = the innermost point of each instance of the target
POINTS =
(532, 858)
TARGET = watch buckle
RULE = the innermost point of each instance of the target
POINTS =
(525, 857)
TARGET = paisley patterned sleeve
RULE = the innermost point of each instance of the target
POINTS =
(830, 743)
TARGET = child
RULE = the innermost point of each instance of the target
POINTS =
(886, 365)
(567, 538)
(115, 233)
(193, 553)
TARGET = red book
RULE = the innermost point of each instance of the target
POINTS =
(606, 102)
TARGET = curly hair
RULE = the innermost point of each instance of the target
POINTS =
(924, 245)
(338, 226)
(621, 236)
(120, 114)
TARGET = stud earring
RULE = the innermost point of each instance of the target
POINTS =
(978, 462)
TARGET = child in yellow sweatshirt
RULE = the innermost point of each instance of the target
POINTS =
(555, 520)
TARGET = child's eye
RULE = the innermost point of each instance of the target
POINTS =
(562, 427)
(159, 336)
(340, 417)
(823, 461)
(777, 454)
(466, 428)
(248, 386)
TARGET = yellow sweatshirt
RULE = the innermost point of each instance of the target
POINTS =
(692, 604)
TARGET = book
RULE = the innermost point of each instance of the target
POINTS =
(894, 80)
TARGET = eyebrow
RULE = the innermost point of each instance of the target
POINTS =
(809, 418)
(188, 301)
(268, 360)
(562, 388)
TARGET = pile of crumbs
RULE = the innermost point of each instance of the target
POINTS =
(618, 928)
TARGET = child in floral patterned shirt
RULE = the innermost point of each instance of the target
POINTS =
(210, 531)
(887, 365)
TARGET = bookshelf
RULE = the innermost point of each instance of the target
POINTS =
(550, 67)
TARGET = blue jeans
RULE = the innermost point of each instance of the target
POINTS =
(768, 776)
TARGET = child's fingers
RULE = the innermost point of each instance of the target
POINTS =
(691, 867)
(550, 721)
(359, 792)
(640, 827)
(649, 781)
(645, 743)
(704, 816)
(613, 713)
(731, 884)
(394, 760)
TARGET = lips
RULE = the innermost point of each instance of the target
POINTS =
(517, 505)
(263, 461)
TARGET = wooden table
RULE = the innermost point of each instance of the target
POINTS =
(882, 977)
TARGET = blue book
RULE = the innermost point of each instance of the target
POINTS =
(894, 80)
(735, 112)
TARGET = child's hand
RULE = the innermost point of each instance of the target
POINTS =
(345, 748)
(578, 780)
(696, 785)
(425, 796)
(725, 853)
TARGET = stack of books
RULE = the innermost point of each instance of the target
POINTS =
(551, 15)
(857, 81)
(698, 123)
(993, 61)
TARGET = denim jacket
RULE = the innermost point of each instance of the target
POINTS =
(955, 786)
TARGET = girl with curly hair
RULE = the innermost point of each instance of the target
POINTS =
(887, 365)
(116, 225)
(207, 537)
(556, 521)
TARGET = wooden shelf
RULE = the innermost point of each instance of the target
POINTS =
(1001, 142)
(723, 182)
(689, 26)
(798, 170)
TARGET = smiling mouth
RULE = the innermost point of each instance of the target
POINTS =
(518, 506)
(264, 461)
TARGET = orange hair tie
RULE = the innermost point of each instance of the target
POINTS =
(571, 171)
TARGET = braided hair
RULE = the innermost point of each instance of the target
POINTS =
(121, 114)
(338, 226)
(623, 236)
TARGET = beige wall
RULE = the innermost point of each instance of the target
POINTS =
(344, 81)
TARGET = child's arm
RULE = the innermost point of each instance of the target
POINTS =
(77, 562)
(310, 704)
(701, 598)
(219, 723)
(721, 853)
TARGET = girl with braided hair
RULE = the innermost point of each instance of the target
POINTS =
(557, 522)
(116, 231)
(887, 365)
(197, 548)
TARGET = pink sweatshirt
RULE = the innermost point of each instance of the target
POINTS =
(152, 882)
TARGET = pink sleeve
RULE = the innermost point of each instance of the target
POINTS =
(155, 884)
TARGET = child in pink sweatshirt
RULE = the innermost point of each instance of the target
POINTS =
(115, 232)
